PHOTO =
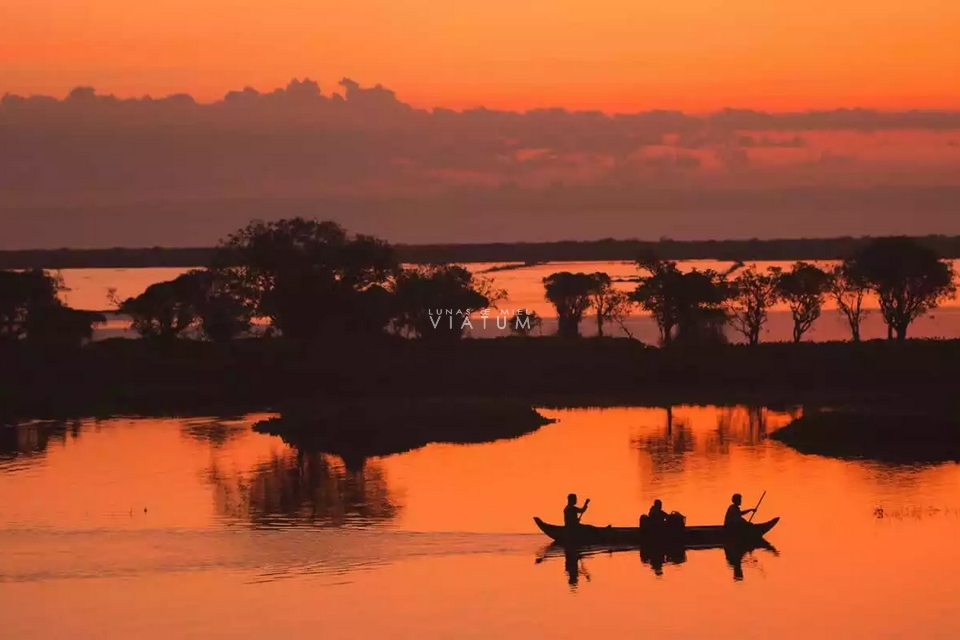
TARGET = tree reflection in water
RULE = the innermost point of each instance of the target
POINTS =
(667, 450)
(216, 432)
(31, 440)
(298, 488)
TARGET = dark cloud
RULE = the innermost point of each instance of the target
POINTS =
(831, 159)
(732, 157)
(792, 142)
(172, 165)
(834, 120)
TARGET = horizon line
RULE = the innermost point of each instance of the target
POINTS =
(662, 240)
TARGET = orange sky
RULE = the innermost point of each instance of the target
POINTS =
(613, 55)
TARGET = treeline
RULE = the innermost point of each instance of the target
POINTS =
(534, 252)
(307, 280)
(695, 307)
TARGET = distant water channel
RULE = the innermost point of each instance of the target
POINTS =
(524, 287)
(201, 528)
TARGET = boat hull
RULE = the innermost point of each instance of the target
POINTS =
(687, 537)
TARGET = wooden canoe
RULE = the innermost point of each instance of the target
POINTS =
(687, 537)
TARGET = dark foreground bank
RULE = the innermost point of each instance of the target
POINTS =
(908, 435)
(359, 429)
(179, 377)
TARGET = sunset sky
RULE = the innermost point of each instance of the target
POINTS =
(613, 55)
(850, 121)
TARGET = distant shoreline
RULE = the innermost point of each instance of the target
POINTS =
(520, 252)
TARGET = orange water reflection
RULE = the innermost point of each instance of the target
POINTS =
(441, 543)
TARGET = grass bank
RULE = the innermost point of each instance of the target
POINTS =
(143, 377)
(906, 436)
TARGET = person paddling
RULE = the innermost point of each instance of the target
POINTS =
(734, 517)
(572, 513)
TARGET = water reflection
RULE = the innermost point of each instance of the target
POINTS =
(669, 448)
(216, 496)
(654, 558)
(574, 568)
(300, 488)
(295, 486)
(215, 431)
(31, 440)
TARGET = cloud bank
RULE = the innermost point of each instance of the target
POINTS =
(92, 170)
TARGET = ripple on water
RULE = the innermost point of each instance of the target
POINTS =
(38, 554)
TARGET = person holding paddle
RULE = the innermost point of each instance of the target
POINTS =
(734, 517)
(572, 513)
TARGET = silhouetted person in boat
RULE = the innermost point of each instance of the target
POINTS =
(657, 514)
(734, 517)
(572, 513)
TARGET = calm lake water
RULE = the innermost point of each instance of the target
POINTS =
(202, 528)
(524, 287)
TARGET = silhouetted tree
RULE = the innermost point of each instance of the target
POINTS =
(611, 304)
(524, 322)
(436, 301)
(687, 307)
(571, 294)
(752, 296)
(908, 278)
(30, 309)
(309, 277)
(165, 309)
(222, 312)
(619, 307)
(847, 287)
(700, 312)
(656, 293)
(21, 293)
(60, 326)
(803, 288)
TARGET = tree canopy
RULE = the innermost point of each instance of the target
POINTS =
(908, 278)
(572, 295)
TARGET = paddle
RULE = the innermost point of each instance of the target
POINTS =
(756, 507)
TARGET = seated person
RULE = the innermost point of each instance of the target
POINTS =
(734, 517)
(572, 513)
(657, 514)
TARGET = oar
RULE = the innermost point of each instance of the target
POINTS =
(756, 507)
